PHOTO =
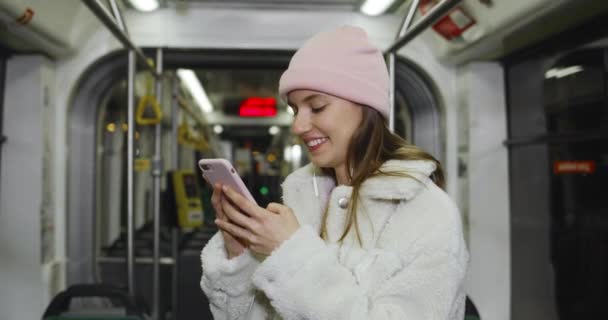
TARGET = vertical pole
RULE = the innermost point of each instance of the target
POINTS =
(174, 123)
(405, 24)
(391, 79)
(157, 174)
(174, 278)
(130, 173)
(118, 17)
(2, 87)
(174, 166)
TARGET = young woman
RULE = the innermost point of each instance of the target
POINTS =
(365, 231)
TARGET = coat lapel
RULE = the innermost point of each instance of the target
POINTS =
(378, 195)
(299, 194)
(386, 187)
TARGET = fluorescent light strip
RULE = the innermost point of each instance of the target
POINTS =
(287, 153)
(144, 5)
(296, 152)
(376, 7)
(562, 72)
(196, 89)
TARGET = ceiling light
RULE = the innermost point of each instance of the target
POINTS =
(196, 89)
(218, 129)
(296, 152)
(273, 130)
(144, 5)
(287, 153)
(376, 7)
(562, 72)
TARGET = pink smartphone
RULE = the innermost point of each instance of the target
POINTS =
(221, 171)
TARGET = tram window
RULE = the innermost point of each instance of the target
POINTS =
(575, 93)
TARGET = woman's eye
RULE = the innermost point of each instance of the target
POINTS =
(318, 109)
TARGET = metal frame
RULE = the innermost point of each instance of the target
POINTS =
(175, 233)
(100, 79)
(421, 100)
(119, 20)
(406, 33)
(157, 173)
(436, 13)
(115, 24)
(405, 24)
(2, 84)
(118, 29)
(130, 172)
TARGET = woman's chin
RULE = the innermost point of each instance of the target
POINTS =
(320, 163)
(317, 162)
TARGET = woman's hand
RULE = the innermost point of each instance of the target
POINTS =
(263, 229)
(234, 247)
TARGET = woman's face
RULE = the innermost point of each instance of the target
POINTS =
(325, 124)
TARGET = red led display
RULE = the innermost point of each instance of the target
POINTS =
(258, 107)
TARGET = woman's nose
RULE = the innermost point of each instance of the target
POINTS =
(301, 124)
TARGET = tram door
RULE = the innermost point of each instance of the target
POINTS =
(558, 149)
(576, 108)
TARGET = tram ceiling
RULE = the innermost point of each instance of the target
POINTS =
(344, 5)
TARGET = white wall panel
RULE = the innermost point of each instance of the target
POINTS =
(489, 241)
(22, 209)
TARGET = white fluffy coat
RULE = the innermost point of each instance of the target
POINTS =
(412, 263)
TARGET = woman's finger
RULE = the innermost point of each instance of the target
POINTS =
(275, 207)
(216, 200)
(243, 203)
(235, 230)
(236, 216)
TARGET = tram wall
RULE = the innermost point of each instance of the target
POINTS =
(27, 234)
(485, 187)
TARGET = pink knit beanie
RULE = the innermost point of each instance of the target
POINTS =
(341, 63)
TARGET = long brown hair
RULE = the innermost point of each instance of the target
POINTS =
(371, 145)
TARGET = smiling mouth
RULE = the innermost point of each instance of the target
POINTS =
(315, 144)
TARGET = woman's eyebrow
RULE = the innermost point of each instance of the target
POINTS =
(307, 99)
(312, 97)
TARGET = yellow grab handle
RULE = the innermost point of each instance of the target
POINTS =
(143, 116)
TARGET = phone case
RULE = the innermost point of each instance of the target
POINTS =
(221, 171)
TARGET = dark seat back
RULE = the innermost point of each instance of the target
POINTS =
(470, 311)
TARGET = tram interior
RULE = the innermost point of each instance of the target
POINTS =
(101, 141)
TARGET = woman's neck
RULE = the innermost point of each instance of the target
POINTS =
(342, 175)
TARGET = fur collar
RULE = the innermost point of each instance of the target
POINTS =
(308, 205)
(385, 187)
(381, 187)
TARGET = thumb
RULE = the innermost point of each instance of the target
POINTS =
(275, 207)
